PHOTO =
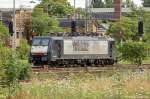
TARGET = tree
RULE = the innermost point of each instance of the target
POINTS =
(5, 56)
(126, 28)
(44, 16)
(23, 50)
(146, 3)
(102, 3)
(128, 4)
(109, 3)
(12, 70)
(140, 13)
(147, 26)
(3, 31)
(57, 8)
(133, 52)
(42, 23)
(98, 4)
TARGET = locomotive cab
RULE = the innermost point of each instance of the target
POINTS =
(39, 52)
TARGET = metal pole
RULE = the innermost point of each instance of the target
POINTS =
(85, 16)
(14, 29)
(1, 13)
(74, 4)
(74, 11)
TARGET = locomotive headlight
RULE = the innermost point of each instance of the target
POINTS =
(45, 53)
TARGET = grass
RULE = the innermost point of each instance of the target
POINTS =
(116, 85)
(146, 61)
(126, 84)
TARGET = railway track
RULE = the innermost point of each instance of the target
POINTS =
(116, 67)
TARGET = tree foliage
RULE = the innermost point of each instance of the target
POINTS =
(109, 3)
(57, 8)
(23, 50)
(125, 28)
(5, 54)
(132, 51)
(98, 4)
(145, 15)
(128, 4)
(102, 3)
(3, 31)
(5, 57)
(44, 17)
(42, 23)
(12, 70)
(147, 26)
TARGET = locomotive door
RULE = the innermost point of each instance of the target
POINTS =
(57, 48)
(112, 46)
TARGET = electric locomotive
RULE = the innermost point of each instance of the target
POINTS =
(72, 50)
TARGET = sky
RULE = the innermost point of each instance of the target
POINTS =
(23, 3)
(27, 4)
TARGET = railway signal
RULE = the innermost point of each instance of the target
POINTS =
(140, 27)
(11, 28)
(73, 26)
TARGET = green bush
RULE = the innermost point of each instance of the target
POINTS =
(5, 56)
(132, 51)
(16, 70)
(25, 72)
(23, 50)
(12, 71)
(3, 32)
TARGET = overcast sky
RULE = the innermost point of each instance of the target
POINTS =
(26, 3)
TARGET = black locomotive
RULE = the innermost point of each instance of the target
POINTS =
(72, 50)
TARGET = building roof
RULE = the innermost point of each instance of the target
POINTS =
(98, 10)
(67, 22)
(109, 13)
(106, 15)
(7, 13)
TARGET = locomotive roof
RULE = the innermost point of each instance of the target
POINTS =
(77, 38)
(42, 37)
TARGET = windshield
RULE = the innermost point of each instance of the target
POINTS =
(36, 42)
(44, 42)
(40, 42)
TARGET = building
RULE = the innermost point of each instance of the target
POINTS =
(23, 21)
(108, 13)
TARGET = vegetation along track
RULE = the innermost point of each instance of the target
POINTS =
(116, 67)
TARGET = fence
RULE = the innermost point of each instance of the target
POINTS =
(147, 52)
